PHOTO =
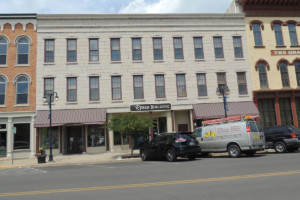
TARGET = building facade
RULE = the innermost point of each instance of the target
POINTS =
(17, 84)
(272, 29)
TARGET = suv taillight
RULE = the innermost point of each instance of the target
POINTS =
(180, 140)
(293, 135)
(248, 129)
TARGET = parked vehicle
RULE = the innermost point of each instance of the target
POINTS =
(171, 146)
(283, 138)
(235, 135)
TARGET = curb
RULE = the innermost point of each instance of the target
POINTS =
(13, 166)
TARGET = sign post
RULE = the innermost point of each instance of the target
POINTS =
(14, 131)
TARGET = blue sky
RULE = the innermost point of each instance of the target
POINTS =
(113, 6)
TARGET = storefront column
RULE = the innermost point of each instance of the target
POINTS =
(32, 138)
(173, 120)
(60, 140)
(84, 139)
(111, 140)
(191, 120)
(277, 109)
(9, 137)
(37, 140)
(294, 111)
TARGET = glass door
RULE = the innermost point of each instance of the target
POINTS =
(3, 144)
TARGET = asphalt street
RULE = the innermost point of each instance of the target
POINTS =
(265, 176)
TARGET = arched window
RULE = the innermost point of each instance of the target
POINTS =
(2, 90)
(257, 34)
(278, 34)
(22, 90)
(3, 50)
(263, 79)
(284, 74)
(23, 50)
(297, 69)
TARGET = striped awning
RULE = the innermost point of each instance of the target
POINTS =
(71, 116)
(216, 110)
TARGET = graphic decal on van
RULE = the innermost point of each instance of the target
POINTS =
(210, 134)
(255, 136)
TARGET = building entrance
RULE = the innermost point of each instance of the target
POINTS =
(3, 149)
(74, 139)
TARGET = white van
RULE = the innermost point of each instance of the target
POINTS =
(235, 135)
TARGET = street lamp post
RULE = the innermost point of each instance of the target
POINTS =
(49, 101)
(224, 91)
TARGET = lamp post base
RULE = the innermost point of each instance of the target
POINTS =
(50, 158)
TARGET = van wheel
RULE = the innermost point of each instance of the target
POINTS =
(144, 155)
(171, 156)
(234, 151)
(280, 147)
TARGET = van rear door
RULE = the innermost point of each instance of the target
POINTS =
(256, 135)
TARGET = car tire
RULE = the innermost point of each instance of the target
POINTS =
(280, 147)
(234, 151)
(171, 156)
(144, 155)
(250, 153)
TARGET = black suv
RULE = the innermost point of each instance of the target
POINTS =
(282, 138)
(171, 146)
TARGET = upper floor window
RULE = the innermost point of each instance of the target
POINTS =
(116, 89)
(72, 89)
(115, 49)
(278, 34)
(93, 50)
(284, 74)
(221, 78)
(49, 88)
(293, 34)
(178, 48)
(242, 83)
(257, 35)
(138, 87)
(157, 49)
(136, 49)
(297, 70)
(23, 50)
(2, 90)
(263, 79)
(160, 86)
(3, 51)
(49, 50)
(238, 49)
(71, 50)
(218, 47)
(181, 86)
(201, 84)
(94, 88)
(198, 45)
(22, 90)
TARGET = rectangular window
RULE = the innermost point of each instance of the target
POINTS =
(218, 47)
(116, 87)
(238, 49)
(221, 78)
(2, 91)
(178, 48)
(201, 84)
(49, 50)
(138, 87)
(115, 49)
(94, 88)
(242, 83)
(44, 135)
(157, 49)
(257, 35)
(293, 34)
(22, 136)
(49, 88)
(278, 34)
(181, 86)
(160, 86)
(136, 49)
(93, 49)
(72, 89)
(3, 51)
(286, 115)
(71, 50)
(267, 113)
(96, 136)
(198, 45)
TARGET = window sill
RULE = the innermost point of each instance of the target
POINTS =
(21, 105)
(116, 62)
(93, 62)
(22, 65)
(3, 66)
(137, 61)
(94, 102)
(281, 46)
(199, 60)
(72, 103)
(239, 59)
(139, 100)
(219, 59)
(182, 98)
(49, 63)
(259, 47)
(72, 63)
(46, 104)
(2, 106)
(179, 60)
(295, 46)
(117, 101)
(204, 97)
(158, 61)
(244, 95)
(161, 99)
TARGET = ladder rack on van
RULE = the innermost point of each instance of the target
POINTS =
(230, 119)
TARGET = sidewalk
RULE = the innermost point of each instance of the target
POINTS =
(59, 160)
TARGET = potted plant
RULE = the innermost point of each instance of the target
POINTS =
(41, 155)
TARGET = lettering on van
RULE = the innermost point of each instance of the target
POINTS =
(210, 134)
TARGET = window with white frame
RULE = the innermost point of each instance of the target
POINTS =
(94, 88)
(22, 86)
(136, 49)
(115, 49)
(49, 50)
(3, 51)
(71, 50)
(138, 87)
(71, 89)
(93, 49)
(116, 89)
(23, 50)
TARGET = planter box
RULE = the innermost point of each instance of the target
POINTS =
(41, 159)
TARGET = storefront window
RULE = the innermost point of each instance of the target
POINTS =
(22, 136)
(44, 138)
(120, 139)
(96, 136)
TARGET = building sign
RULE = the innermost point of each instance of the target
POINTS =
(284, 52)
(149, 107)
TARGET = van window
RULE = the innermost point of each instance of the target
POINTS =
(198, 132)
(259, 127)
(253, 127)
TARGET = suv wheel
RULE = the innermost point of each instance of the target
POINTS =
(234, 151)
(171, 156)
(280, 147)
(144, 155)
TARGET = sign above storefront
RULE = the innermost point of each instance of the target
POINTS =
(284, 52)
(149, 107)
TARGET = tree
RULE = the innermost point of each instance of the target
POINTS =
(129, 124)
